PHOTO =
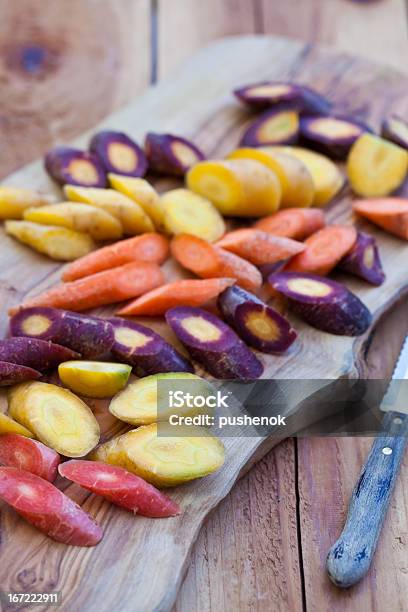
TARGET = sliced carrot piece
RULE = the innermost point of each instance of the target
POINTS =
(389, 213)
(324, 250)
(295, 223)
(259, 247)
(108, 287)
(209, 261)
(147, 247)
(189, 292)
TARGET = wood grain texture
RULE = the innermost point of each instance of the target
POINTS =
(200, 23)
(98, 579)
(251, 540)
(376, 30)
(328, 472)
(65, 65)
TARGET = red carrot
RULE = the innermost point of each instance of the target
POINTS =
(120, 487)
(30, 455)
(324, 250)
(209, 261)
(47, 508)
(180, 293)
(295, 223)
(149, 247)
(108, 287)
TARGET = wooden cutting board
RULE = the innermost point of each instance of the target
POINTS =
(140, 563)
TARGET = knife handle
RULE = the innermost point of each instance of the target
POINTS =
(350, 557)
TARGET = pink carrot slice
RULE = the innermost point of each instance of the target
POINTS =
(30, 455)
(260, 247)
(47, 508)
(120, 487)
(188, 292)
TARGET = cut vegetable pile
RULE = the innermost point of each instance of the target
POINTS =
(237, 228)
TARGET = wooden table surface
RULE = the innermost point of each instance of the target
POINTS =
(65, 65)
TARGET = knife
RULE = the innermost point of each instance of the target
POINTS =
(350, 557)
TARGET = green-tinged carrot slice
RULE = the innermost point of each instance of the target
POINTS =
(94, 378)
(147, 400)
(164, 455)
(56, 416)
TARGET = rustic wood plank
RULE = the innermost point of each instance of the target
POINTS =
(376, 30)
(328, 471)
(98, 579)
(251, 534)
(65, 65)
(184, 26)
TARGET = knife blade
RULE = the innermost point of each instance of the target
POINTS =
(350, 557)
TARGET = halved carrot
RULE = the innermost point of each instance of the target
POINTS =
(259, 247)
(147, 247)
(295, 223)
(209, 261)
(188, 292)
(389, 213)
(324, 250)
(108, 287)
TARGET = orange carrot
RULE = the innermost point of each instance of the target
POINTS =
(295, 223)
(324, 250)
(259, 247)
(106, 287)
(389, 213)
(209, 261)
(180, 293)
(147, 247)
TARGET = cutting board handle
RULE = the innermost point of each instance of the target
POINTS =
(350, 557)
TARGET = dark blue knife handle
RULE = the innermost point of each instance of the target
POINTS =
(350, 557)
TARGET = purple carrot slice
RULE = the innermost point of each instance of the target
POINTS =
(364, 260)
(169, 154)
(269, 93)
(331, 135)
(36, 354)
(146, 351)
(277, 126)
(68, 165)
(256, 323)
(119, 154)
(323, 303)
(213, 344)
(90, 336)
(267, 269)
(12, 374)
(395, 129)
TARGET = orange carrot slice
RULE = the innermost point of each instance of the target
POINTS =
(209, 261)
(147, 247)
(391, 214)
(260, 247)
(324, 250)
(180, 293)
(108, 287)
(295, 223)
